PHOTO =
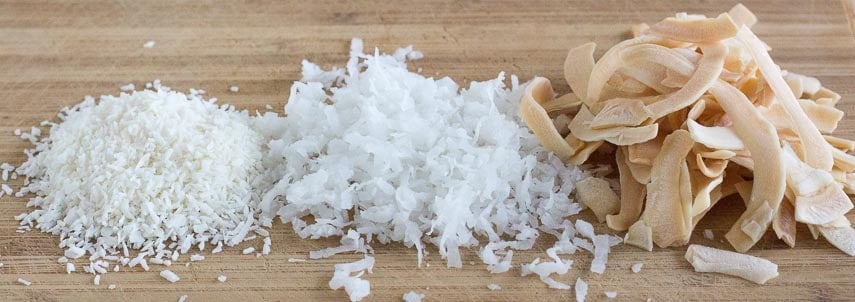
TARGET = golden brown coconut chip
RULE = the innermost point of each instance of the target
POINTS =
(808, 85)
(824, 117)
(609, 63)
(644, 153)
(761, 140)
(818, 152)
(673, 79)
(581, 128)
(843, 161)
(717, 154)
(697, 110)
(824, 93)
(741, 15)
(795, 86)
(638, 30)
(577, 68)
(823, 207)
(715, 137)
(537, 119)
(803, 179)
(726, 189)
(566, 104)
(639, 235)
(654, 53)
(784, 223)
(704, 186)
(842, 144)
(625, 84)
(710, 167)
(707, 72)
(709, 260)
(649, 74)
(620, 112)
(583, 154)
(631, 196)
(842, 238)
(596, 194)
(639, 172)
(695, 30)
(664, 212)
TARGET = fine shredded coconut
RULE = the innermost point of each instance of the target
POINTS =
(400, 157)
(153, 172)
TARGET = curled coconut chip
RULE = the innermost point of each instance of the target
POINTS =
(699, 111)
(596, 194)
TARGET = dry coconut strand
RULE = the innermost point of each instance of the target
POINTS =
(145, 174)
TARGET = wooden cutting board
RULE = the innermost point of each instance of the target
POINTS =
(52, 53)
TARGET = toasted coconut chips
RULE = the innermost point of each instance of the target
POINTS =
(709, 260)
(699, 111)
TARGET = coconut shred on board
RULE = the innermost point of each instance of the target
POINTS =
(144, 175)
(375, 153)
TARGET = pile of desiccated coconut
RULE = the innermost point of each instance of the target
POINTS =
(143, 177)
(372, 153)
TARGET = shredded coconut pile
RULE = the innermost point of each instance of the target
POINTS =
(414, 160)
(154, 170)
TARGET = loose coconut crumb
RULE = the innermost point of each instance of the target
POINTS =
(97, 280)
(183, 298)
(234, 89)
(169, 276)
(637, 267)
(709, 234)
(149, 44)
(494, 287)
(25, 282)
(222, 278)
(294, 260)
(248, 250)
(581, 290)
(111, 286)
(127, 88)
(413, 296)
(69, 268)
(611, 294)
(197, 257)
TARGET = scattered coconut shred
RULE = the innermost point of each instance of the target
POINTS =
(376, 153)
(152, 172)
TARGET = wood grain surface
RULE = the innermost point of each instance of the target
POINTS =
(52, 53)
